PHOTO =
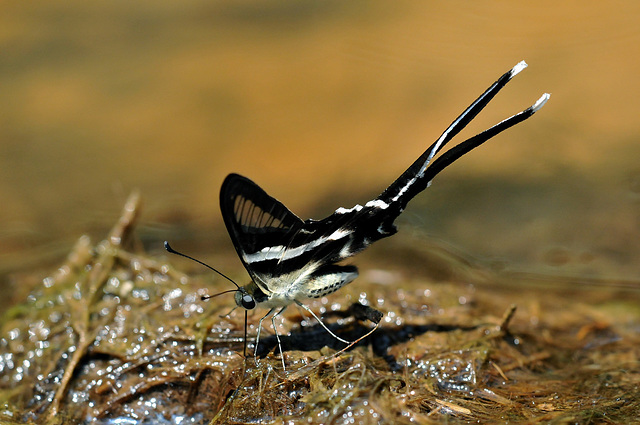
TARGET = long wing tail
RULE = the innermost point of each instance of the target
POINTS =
(420, 174)
(349, 231)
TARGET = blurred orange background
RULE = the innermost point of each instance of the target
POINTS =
(323, 104)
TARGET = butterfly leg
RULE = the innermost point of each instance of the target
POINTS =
(273, 322)
(255, 353)
(321, 323)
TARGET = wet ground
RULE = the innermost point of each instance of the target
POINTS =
(117, 336)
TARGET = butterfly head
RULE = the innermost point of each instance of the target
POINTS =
(244, 299)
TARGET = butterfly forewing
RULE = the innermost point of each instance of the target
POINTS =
(259, 225)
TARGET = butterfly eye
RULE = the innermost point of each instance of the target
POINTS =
(248, 302)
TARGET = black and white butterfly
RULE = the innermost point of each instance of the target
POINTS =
(290, 259)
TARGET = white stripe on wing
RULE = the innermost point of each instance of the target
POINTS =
(283, 253)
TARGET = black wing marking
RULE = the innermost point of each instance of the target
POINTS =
(259, 225)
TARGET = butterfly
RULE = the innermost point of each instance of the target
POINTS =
(290, 260)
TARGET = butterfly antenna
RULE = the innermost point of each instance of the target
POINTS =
(173, 251)
(206, 297)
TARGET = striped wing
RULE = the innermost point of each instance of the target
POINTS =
(282, 253)
(259, 225)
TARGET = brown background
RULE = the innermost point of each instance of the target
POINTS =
(323, 104)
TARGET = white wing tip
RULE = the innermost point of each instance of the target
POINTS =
(540, 102)
(519, 67)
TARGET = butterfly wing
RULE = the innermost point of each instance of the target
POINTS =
(260, 226)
